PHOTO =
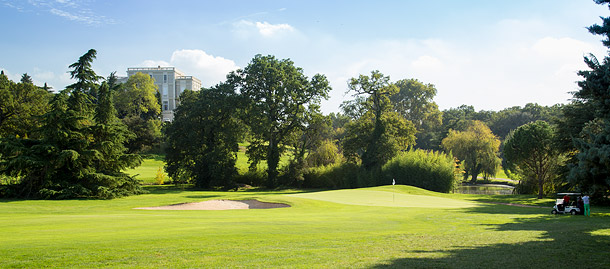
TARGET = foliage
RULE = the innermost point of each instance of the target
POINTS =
(362, 142)
(80, 152)
(379, 133)
(202, 139)
(590, 170)
(21, 107)
(278, 96)
(160, 177)
(326, 153)
(138, 107)
(477, 147)
(530, 152)
(424, 169)
(86, 78)
(414, 101)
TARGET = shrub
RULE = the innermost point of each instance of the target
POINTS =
(159, 179)
(425, 169)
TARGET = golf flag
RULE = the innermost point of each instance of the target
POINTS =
(393, 182)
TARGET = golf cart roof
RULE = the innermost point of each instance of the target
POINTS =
(569, 193)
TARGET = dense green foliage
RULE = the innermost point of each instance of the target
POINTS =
(425, 169)
(378, 133)
(80, 150)
(138, 107)
(429, 170)
(21, 106)
(476, 148)
(590, 169)
(202, 139)
(279, 96)
(530, 152)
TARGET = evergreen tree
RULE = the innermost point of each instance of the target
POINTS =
(591, 172)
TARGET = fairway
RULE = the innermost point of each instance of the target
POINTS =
(361, 228)
(385, 198)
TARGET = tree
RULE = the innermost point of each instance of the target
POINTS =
(530, 151)
(414, 101)
(278, 95)
(376, 144)
(477, 147)
(26, 79)
(361, 141)
(21, 106)
(202, 139)
(138, 107)
(79, 153)
(591, 170)
(86, 78)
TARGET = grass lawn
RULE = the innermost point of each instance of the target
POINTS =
(388, 226)
(147, 171)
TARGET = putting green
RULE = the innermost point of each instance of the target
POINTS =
(384, 198)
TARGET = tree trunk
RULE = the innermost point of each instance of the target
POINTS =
(273, 159)
(540, 187)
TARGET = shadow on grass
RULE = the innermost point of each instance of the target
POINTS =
(565, 242)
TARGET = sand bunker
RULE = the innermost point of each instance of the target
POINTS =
(219, 205)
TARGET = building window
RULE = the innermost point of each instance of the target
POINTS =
(165, 105)
(164, 78)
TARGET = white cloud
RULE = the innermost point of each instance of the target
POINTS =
(493, 75)
(267, 29)
(245, 29)
(208, 68)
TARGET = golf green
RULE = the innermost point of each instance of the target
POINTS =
(385, 198)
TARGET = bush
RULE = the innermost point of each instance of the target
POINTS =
(335, 176)
(425, 169)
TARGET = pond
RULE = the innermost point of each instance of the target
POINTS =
(488, 189)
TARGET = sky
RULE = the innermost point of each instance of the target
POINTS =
(488, 54)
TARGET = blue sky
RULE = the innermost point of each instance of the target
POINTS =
(489, 54)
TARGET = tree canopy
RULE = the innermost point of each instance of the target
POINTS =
(202, 139)
(278, 95)
(477, 148)
(530, 151)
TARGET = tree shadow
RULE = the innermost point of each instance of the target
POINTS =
(564, 241)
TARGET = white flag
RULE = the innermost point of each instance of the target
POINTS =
(393, 182)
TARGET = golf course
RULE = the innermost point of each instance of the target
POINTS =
(386, 226)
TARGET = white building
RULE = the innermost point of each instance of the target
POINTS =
(170, 82)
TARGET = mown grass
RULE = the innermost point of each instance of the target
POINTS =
(372, 227)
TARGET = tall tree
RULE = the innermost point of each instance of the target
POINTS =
(26, 79)
(138, 107)
(591, 171)
(530, 151)
(86, 78)
(278, 95)
(477, 148)
(381, 143)
(79, 153)
(202, 139)
(414, 101)
(21, 106)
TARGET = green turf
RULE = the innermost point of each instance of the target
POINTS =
(147, 171)
(314, 233)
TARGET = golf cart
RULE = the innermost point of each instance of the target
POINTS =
(570, 208)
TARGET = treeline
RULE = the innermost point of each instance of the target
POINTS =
(76, 143)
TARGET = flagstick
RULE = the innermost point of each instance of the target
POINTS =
(393, 189)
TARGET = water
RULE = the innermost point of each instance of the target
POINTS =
(488, 189)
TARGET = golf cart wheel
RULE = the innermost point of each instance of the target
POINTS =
(573, 212)
(554, 212)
